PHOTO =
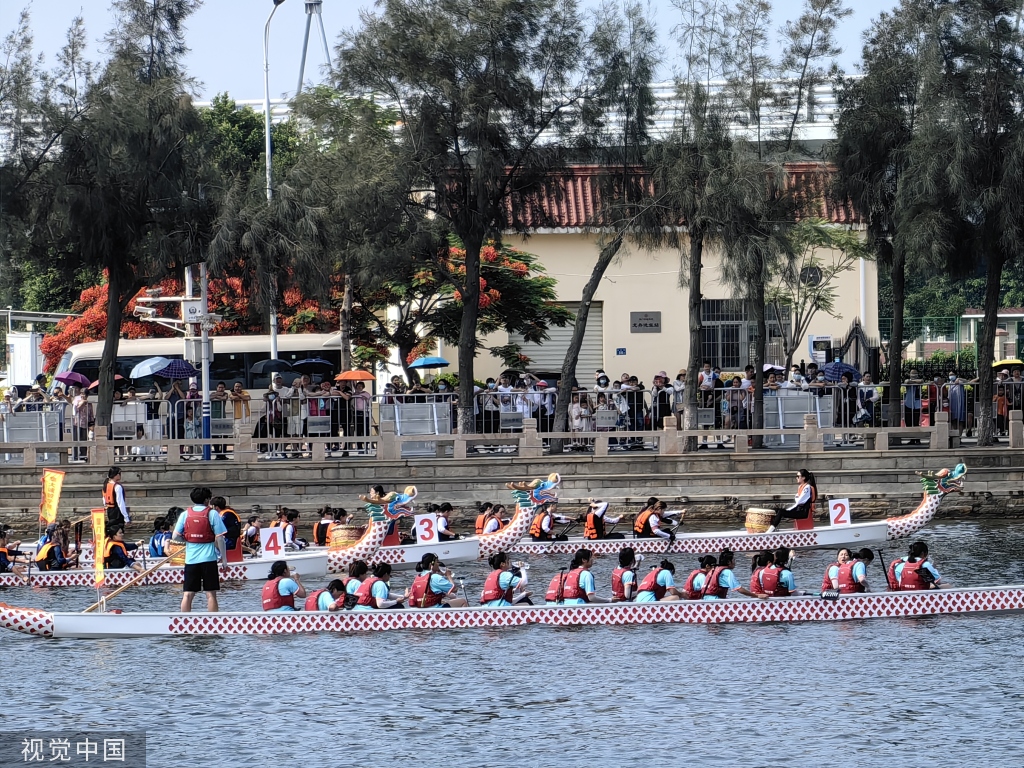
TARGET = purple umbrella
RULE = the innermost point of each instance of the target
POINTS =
(177, 369)
(70, 377)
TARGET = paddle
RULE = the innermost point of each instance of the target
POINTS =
(132, 582)
(885, 571)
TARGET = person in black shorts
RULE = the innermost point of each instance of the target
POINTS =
(201, 529)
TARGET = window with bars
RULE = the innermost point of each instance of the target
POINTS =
(729, 334)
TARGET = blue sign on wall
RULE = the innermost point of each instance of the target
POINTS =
(620, 351)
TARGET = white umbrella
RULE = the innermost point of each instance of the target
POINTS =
(148, 367)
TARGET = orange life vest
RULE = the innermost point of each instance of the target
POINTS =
(806, 523)
(641, 523)
(594, 527)
(110, 493)
(110, 548)
(537, 528)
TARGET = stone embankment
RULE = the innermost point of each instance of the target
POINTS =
(712, 488)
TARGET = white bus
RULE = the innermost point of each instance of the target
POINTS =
(233, 356)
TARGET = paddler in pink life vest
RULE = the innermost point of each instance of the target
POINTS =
(853, 574)
(915, 571)
(659, 585)
(202, 530)
(831, 578)
(758, 563)
(693, 589)
(802, 509)
(431, 588)
(721, 580)
(375, 591)
(281, 588)
(503, 582)
(577, 586)
(776, 579)
(624, 580)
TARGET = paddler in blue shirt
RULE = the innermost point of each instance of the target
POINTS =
(659, 585)
(501, 583)
(915, 571)
(721, 580)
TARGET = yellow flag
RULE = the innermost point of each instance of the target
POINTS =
(99, 540)
(53, 481)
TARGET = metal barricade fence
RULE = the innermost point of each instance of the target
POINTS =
(419, 413)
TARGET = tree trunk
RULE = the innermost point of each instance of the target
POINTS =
(986, 351)
(898, 276)
(346, 326)
(108, 362)
(467, 334)
(572, 354)
(690, 392)
(757, 306)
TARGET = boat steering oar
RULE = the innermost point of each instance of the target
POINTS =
(131, 583)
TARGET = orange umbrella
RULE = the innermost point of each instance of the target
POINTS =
(355, 376)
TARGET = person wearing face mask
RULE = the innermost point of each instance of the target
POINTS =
(957, 397)
(816, 384)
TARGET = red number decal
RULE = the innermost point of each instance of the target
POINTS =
(426, 529)
(272, 546)
(840, 515)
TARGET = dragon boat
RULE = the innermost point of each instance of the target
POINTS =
(527, 497)
(936, 486)
(311, 565)
(883, 605)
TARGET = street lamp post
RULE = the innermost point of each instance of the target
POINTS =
(270, 190)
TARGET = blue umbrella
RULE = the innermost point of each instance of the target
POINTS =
(177, 369)
(313, 365)
(430, 362)
(148, 367)
(833, 371)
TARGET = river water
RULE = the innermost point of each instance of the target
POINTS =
(939, 691)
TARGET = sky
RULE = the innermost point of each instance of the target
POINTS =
(226, 36)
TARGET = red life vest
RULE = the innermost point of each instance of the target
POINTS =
(650, 584)
(197, 527)
(771, 584)
(826, 582)
(493, 590)
(272, 597)
(910, 576)
(755, 579)
(641, 526)
(594, 526)
(807, 523)
(711, 586)
(365, 592)
(554, 593)
(313, 599)
(420, 593)
(571, 589)
(692, 593)
(847, 586)
(618, 588)
(536, 528)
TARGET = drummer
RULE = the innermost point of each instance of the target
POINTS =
(802, 508)
(432, 589)
(721, 580)
(502, 582)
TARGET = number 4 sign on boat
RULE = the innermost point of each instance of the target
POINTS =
(839, 511)
(426, 528)
(271, 541)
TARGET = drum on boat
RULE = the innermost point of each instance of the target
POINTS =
(345, 535)
(759, 520)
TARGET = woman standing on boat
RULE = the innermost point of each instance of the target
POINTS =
(501, 583)
(375, 592)
(722, 579)
(624, 579)
(831, 578)
(431, 588)
(914, 572)
(281, 588)
(802, 508)
(659, 585)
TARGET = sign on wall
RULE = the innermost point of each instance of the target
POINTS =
(645, 322)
